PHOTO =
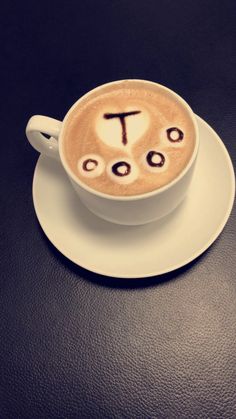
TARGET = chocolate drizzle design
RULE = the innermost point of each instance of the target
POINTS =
(121, 116)
(86, 163)
(118, 165)
(152, 163)
(180, 133)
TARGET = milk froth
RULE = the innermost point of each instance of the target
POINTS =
(128, 140)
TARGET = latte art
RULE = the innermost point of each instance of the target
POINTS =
(122, 117)
(121, 129)
(121, 168)
(155, 159)
(91, 165)
(128, 141)
(174, 134)
(122, 171)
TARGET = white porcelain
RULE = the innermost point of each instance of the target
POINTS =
(141, 251)
(129, 210)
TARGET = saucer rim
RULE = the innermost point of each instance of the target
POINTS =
(172, 268)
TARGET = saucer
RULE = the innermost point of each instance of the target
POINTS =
(138, 251)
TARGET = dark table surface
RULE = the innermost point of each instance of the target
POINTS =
(74, 344)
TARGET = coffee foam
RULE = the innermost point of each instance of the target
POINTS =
(157, 160)
(164, 142)
(123, 179)
(110, 130)
(93, 169)
(95, 131)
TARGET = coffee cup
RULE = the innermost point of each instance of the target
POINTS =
(142, 191)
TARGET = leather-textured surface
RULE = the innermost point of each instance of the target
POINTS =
(74, 344)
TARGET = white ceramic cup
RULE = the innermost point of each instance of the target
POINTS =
(128, 210)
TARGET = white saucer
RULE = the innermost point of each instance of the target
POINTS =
(142, 251)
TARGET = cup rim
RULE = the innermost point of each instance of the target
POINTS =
(154, 192)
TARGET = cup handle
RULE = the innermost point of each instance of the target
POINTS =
(39, 124)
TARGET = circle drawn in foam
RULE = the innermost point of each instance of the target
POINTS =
(156, 159)
(121, 168)
(174, 134)
(172, 137)
(91, 165)
(127, 170)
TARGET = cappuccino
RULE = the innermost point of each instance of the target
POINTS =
(128, 140)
